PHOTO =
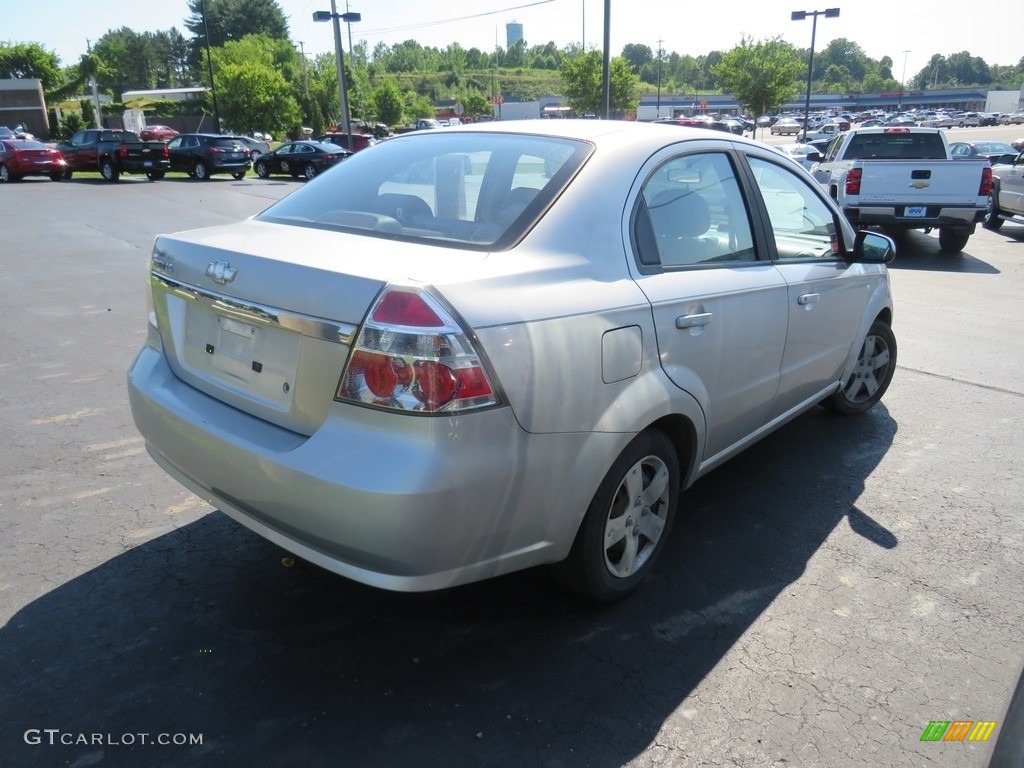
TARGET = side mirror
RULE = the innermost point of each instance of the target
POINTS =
(873, 248)
(814, 157)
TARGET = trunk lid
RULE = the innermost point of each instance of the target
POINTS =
(262, 315)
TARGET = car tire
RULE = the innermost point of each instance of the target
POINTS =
(238, 176)
(155, 175)
(109, 171)
(200, 171)
(68, 174)
(628, 521)
(871, 374)
(992, 220)
(5, 175)
(309, 172)
(56, 175)
(261, 170)
(952, 240)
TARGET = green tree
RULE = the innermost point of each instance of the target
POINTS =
(475, 104)
(760, 75)
(234, 19)
(581, 75)
(252, 96)
(388, 102)
(638, 56)
(30, 60)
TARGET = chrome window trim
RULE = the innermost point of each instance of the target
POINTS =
(307, 325)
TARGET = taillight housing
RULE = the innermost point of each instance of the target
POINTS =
(853, 177)
(122, 151)
(986, 182)
(412, 355)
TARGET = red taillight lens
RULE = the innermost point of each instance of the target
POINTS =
(404, 308)
(986, 182)
(412, 355)
(853, 177)
(167, 152)
(122, 151)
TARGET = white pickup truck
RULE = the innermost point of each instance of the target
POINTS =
(901, 178)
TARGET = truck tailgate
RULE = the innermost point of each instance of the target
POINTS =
(921, 182)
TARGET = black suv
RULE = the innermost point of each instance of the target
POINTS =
(201, 155)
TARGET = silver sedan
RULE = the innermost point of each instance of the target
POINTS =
(489, 348)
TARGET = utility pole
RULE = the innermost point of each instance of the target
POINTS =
(98, 116)
(658, 113)
(305, 76)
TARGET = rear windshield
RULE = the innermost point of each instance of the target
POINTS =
(475, 190)
(228, 142)
(896, 146)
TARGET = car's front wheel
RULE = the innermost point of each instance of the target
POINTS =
(627, 523)
(238, 175)
(871, 374)
(261, 169)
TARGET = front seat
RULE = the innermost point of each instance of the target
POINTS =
(679, 217)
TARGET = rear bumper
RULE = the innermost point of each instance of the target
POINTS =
(936, 217)
(394, 501)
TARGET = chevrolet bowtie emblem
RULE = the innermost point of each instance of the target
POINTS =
(221, 272)
(914, 184)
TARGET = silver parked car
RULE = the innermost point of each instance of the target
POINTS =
(492, 347)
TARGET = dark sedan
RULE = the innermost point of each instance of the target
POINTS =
(29, 158)
(990, 150)
(201, 155)
(300, 158)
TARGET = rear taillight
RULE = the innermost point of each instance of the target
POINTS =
(122, 151)
(986, 182)
(216, 150)
(853, 177)
(167, 152)
(412, 355)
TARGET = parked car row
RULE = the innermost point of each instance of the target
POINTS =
(113, 152)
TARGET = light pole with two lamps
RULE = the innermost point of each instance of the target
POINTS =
(828, 13)
(339, 56)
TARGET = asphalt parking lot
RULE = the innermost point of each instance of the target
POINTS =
(825, 596)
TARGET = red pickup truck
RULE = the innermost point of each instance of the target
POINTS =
(113, 152)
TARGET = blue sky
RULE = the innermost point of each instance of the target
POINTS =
(880, 27)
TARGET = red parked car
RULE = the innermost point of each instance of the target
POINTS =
(157, 133)
(29, 158)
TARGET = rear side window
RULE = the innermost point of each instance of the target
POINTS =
(467, 190)
(692, 213)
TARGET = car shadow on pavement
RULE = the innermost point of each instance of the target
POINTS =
(211, 630)
(916, 250)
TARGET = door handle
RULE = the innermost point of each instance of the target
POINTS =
(692, 321)
(807, 298)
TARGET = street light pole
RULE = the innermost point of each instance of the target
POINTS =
(903, 79)
(828, 13)
(339, 57)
